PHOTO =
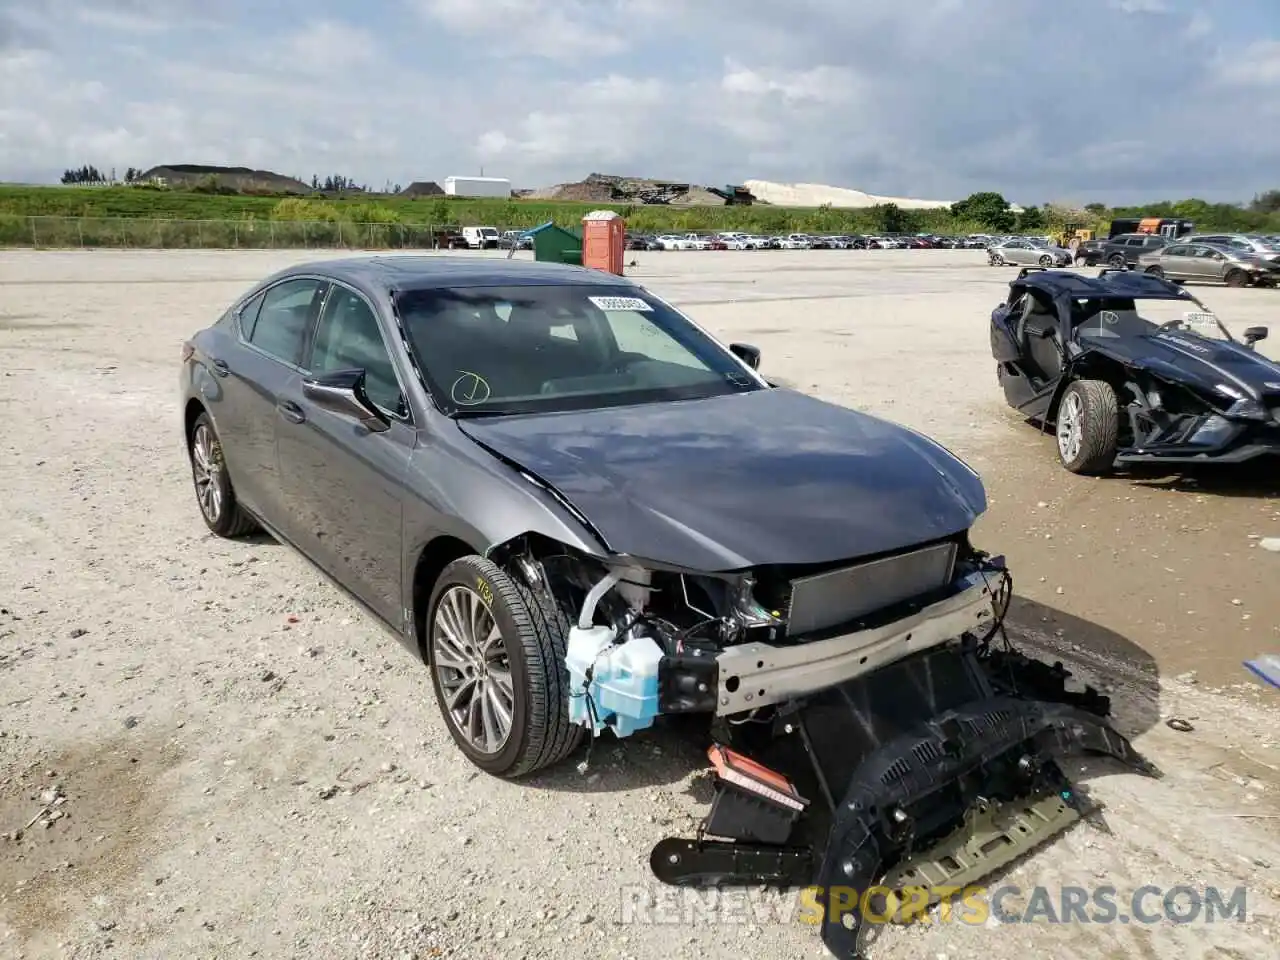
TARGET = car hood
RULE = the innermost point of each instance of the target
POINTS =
(767, 477)
(1201, 361)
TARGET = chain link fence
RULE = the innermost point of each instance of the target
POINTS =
(134, 232)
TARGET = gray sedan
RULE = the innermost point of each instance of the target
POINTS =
(1021, 251)
(1210, 264)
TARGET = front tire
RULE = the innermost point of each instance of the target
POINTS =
(1237, 278)
(1155, 272)
(1046, 261)
(496, 652)
(1087, 428)
(1116, 260)
(219, 507)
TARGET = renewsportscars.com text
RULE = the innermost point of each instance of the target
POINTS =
(973, 905)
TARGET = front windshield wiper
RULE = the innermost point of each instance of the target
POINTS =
(472, 414)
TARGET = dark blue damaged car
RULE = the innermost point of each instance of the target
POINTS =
(583, 513)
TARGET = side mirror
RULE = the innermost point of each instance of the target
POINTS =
(1253, 334)
(342, 392)
(748, 354)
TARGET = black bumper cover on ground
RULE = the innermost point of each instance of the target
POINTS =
(886, 783)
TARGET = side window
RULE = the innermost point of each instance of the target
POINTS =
(281, 324)
(347, 337)
(249, 315)
(1176, 251)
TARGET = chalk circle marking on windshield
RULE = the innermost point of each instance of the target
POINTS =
(470, 389)
(621, 303)
(1110, 317)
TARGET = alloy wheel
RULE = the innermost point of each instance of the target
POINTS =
(470, 659)
(206, 471)
(1070, 427)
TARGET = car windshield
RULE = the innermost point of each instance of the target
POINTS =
(1111, 319)
(545, 348)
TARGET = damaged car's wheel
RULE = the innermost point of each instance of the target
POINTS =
(1087, 427)
(222, 513)
(496, 652)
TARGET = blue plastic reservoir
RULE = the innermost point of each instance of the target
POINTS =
(623, 691)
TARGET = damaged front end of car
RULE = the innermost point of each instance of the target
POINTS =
(875, 736)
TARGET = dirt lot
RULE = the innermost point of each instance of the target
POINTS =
(232, 761)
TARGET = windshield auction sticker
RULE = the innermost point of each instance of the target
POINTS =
(621, 303)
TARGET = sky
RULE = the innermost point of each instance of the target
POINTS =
(1117, 101)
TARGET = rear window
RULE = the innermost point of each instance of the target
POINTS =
(542, 348)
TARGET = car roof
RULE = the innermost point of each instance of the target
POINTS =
(416, 272)
(1109, 283)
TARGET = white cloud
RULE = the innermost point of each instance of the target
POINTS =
(326, 45)
(821, 84)
(936, 99)
(1140, 6)
(541, 28)
(1258, 65)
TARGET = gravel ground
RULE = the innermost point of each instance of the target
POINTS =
(206, 752)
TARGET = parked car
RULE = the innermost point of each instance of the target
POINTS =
(1124, 249)
(642, 241)
(1205, 263)
(1021, 250)
(670, 241)
(1265, 247)
(1090, 253)
(581, 511)
(1076, 354)
(481, 238)
(519, 239)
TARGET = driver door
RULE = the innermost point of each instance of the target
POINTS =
(1210, 264)
(345, 486)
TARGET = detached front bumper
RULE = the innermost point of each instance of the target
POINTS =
(753, 675)
(884, 794)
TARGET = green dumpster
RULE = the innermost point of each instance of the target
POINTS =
(552, 244)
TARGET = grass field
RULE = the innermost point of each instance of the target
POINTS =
(133, 202)
(104, 216)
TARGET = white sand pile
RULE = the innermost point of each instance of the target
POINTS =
(816, 194)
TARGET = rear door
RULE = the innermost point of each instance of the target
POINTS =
(1176, 261)
(345, 485)
(253, 374)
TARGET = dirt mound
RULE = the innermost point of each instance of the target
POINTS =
(236, 178)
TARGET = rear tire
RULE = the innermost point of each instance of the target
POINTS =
(219, 508)
(1046, 261)
(1087, 429)
(1236, 278)
(1155, 272)
(533, 633)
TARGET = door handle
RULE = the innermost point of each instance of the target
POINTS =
(291, 411)
(220, 367)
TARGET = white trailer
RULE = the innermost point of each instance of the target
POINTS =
(477, 187)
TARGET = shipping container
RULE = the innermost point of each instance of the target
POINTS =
(477, 187)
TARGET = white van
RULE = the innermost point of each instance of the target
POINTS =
(481, 238)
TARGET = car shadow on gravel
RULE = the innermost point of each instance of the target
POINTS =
(1256, 479)
(1096, 655)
